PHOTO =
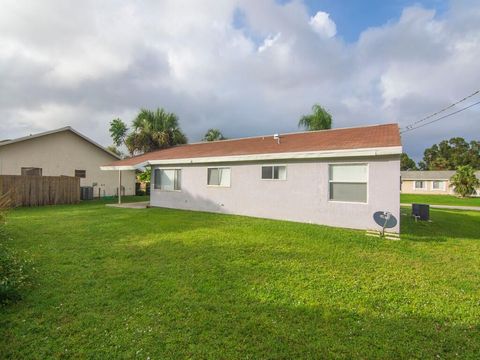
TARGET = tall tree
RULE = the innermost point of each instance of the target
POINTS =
(450, 154)
(213, 135)
(319, 119)
(464, 181)
(406, 163)
(151, 130)
(118, 131)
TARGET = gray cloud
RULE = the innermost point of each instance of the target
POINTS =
(86, 64)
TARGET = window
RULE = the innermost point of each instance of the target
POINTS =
(219, 177)
(274, 172)
(31, 171)
(348, 182)
(81, 173)
(438, 185)
(419, 184)
(167, 179)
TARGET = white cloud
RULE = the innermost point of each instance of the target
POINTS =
(323, 25)
(269, 42)
(86, 64)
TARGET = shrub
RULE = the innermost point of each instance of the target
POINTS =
(14, 270)
(465, 181)
(14, 276)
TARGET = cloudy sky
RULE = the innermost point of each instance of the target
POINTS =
(248, 67)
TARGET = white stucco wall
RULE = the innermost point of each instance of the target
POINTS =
(60, 154)
(303, 196)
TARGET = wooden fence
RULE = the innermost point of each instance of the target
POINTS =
(40, 190)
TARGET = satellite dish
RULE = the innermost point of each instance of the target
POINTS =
(385, 219)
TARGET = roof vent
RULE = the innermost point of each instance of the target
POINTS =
(276, 137)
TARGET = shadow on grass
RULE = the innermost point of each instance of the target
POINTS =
(444, 225)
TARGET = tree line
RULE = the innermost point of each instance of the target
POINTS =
(446, 155)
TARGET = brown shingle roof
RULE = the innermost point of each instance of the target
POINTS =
(336, 139)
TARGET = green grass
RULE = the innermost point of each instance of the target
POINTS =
(439, 200)
(158, 283)
(113, 199)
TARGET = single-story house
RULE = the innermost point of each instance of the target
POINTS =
(338, 177)
(66, 152)
(429, 182)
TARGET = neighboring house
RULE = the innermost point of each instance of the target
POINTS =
(429, 182)
(337, 177)
(63, 152)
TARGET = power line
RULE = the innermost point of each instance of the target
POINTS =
(440, 118)
(412, 125)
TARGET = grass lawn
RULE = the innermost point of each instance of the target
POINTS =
(158, 283)
(439, 200)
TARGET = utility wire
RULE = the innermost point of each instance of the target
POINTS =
(440, 118)
(412, 125)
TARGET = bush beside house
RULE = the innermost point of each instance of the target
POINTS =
(14, 269)
(464, 181)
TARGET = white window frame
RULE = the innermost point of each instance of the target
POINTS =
(154, 178)
(442, 188)
(220, 186)
(273, 172)
(366, 183)
(419, 188)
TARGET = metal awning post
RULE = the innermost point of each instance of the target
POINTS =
(119, 186)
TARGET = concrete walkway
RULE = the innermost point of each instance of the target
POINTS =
(133, 205)
(451, 207)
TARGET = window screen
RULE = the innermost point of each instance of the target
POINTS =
(81, 173)
(167, 179)
(438, 185)
(274, 172)
(348, 182)
(218, 177)
(419, 184)
(31, 171)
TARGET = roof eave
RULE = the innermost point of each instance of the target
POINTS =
(363, 152)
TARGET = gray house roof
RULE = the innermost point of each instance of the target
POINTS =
(430, 175)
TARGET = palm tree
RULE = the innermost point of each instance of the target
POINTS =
(320, 119)
(464, 181)
(151, 130)
(213, 135)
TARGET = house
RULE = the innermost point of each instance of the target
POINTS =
(429, 182)
(67, 152)
(337, 177)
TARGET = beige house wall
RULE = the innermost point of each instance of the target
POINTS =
(409, 188)
(62, 153)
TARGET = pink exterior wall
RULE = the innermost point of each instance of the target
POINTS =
(302, 197)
